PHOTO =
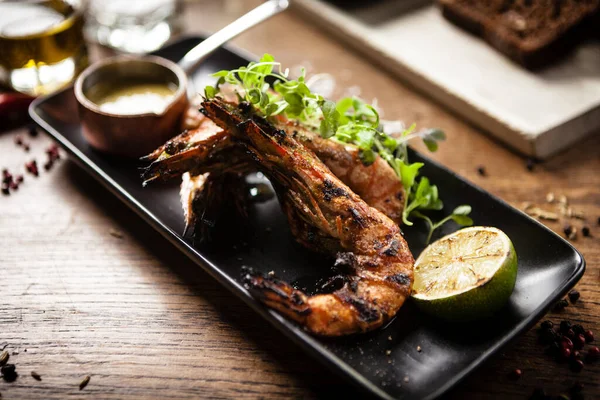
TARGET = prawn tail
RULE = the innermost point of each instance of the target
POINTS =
(277, 294)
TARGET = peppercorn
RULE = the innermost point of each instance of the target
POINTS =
(547, 324)
(9, 372)
(26, 147)
(566, 343)
(568, 230)
(48, 165)
(516, 374)
(32, 168)
(13, 186)
(576, 365)
(574, 295)
(481, 170)
(530, 164)
(565, 326)
(570, 334)
(33, 130)
(579, 342)
(18, 140)
(585, 231)
(4, 189)
(560, 305)
(19, 179)
(593, 354)
(589, 336)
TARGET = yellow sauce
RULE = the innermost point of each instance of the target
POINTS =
(132, 98)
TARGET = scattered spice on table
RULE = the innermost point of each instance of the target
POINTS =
(560, 305)
(36, 376)
(516, 374)
(481, 170)
(32, 168)
(585, 231)
(570, 231)
(574, 295)
(9, 372)
(33, 132)
(530, 164)
(84, 382)
(566, 344)
(116, 233)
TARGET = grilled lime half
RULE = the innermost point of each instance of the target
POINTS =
(466, 275)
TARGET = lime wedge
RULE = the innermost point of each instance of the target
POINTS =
(466, 275)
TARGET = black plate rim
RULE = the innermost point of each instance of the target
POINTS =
(289, 329)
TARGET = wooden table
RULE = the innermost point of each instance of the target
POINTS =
(143, 321)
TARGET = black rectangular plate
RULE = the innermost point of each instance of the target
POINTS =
(548, 265)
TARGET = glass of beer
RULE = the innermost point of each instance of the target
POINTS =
(41, 44)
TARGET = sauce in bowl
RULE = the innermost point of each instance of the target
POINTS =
(131, 98)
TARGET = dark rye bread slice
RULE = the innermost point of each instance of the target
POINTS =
(533, 33)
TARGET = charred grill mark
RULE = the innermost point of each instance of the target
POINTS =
(400, 279)
(345, 261)
(245, 107)
(356, 217)
(365, 312)
(353, 286)
(280, 135)
(330, 190)
(297, 299)
(173, 146)
(392, 251)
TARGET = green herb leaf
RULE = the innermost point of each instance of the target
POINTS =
(462, 210)
(409, 172)
(209, 92)
(462, 220)
(329, 124)
(350, 120)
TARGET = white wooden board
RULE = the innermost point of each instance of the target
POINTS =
(538, 113)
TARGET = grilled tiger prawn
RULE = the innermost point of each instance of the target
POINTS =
(377, 264)
(376, 183)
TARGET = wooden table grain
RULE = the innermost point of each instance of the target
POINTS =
(87, 288)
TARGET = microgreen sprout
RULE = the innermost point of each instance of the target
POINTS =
(269, 89)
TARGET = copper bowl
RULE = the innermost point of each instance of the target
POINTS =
(130, 135)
